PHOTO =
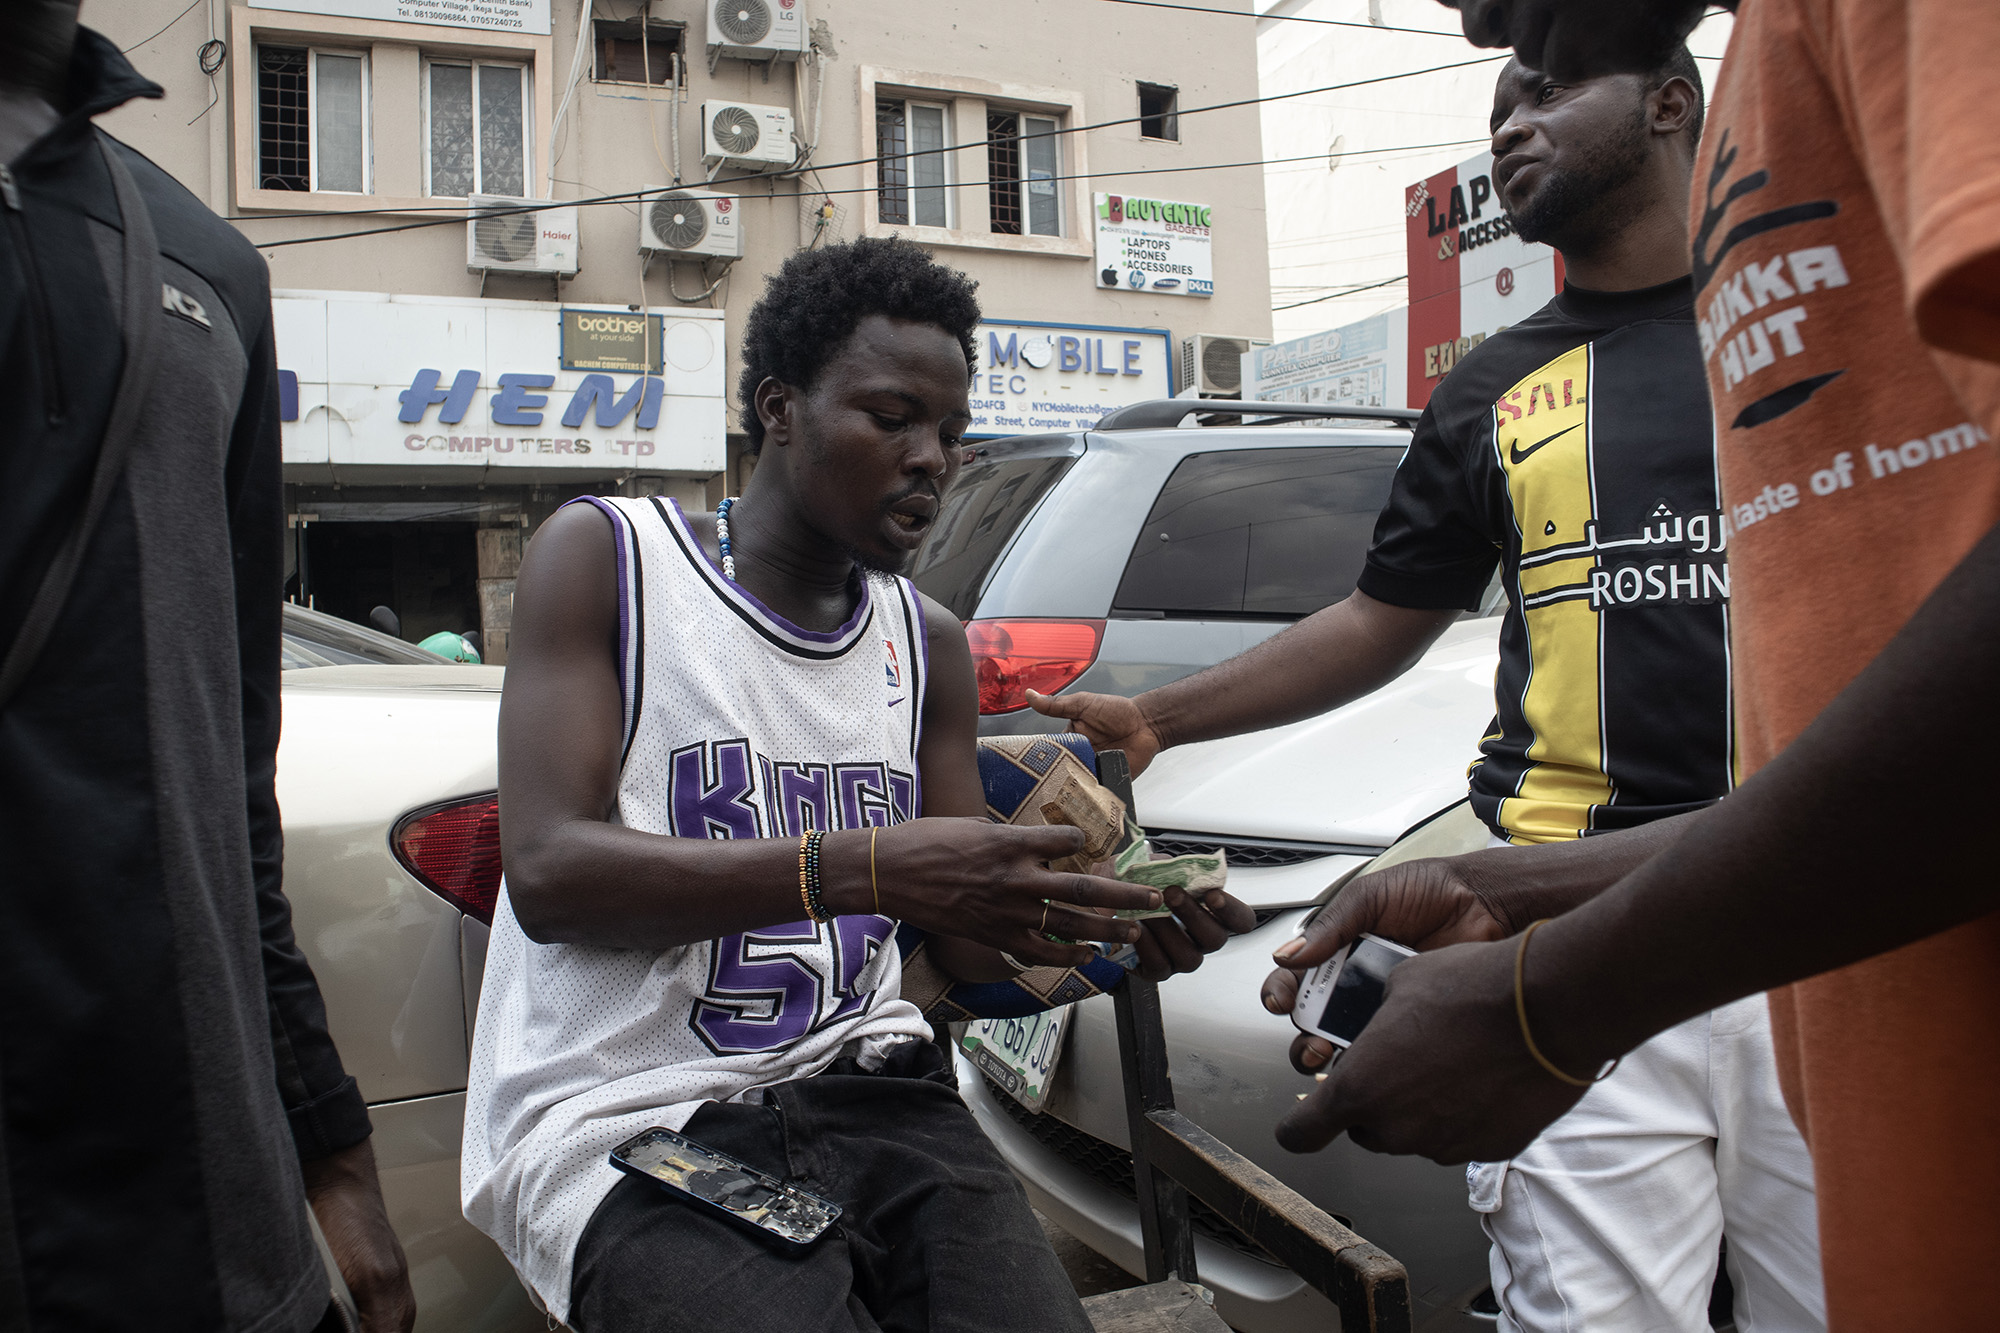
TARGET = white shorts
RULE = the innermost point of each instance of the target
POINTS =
(1610, 1222)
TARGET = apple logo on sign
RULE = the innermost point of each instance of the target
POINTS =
(1038, 352)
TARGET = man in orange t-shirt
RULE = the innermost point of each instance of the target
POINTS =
(1846, 228)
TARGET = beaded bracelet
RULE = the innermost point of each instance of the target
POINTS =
(809, 884)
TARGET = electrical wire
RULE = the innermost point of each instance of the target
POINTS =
(458, 213)
(126, 51)
(1330, 296)
(1290, 18)
(588, 10)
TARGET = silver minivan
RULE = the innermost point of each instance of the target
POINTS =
(1126, 556)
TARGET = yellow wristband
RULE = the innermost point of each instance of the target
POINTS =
(1521, 1011)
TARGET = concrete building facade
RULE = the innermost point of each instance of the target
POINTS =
(446, 390)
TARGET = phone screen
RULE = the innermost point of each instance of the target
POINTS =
(1357, 992)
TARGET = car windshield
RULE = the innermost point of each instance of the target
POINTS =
(987, 504)
(314, 639)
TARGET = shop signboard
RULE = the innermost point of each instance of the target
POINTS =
(624, 341)
(1362, 364)
(1035, 377)
(1154, 245)
(497, 15)
(374, 380)
(1470, 274)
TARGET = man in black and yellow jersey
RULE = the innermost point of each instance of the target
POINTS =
(1575, 452)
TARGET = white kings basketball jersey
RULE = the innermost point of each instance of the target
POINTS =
(738, 724)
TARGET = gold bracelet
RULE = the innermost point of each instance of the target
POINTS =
(873, 886)
(1521, 1011)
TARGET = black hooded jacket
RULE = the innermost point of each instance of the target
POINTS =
(164, 1057)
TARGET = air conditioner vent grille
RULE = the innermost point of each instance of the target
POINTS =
(735, 131)
(679, 220)
(744, 22)
(506, 238)
(1220, 363)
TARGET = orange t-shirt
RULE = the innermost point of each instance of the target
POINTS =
(1846, 221)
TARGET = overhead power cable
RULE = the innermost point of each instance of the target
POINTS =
(458, 214)
(128, 50)
(1290, 18)
(723, 182)
(1364, 287)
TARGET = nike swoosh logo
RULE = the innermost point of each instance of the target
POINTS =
(893, 702)
(1520, 455)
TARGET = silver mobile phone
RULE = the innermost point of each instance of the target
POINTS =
(1339, 996)
(720, 1182)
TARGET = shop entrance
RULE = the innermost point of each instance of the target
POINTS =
(427, 573)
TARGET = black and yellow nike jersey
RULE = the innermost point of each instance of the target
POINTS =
(1577, 451)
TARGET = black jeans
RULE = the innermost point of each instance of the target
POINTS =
(936, 1234)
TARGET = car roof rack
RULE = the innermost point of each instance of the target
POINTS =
(1165, 413)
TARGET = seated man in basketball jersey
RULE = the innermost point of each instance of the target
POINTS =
(691, 701)
(1575, 450)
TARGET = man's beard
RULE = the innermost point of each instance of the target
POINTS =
(1574, 209)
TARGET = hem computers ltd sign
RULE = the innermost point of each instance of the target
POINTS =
(375, 380)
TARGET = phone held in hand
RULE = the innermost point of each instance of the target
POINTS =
(1338, 997)
(715, 1180)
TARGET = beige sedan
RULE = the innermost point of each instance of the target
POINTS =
(386, 777)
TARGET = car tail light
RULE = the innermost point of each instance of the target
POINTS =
(1012, 657)
(454, 849)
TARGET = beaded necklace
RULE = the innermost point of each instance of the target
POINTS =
(722, 538)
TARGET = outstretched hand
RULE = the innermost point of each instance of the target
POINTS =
(1441, 1070)
(990, 883)
(1201, 924)
(1107, 721)
(1426, 905)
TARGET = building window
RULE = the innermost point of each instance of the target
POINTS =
(1023, 161)
(312, 120)
(478, 129)
(912, 167)
(636, 51)
(1159, 112)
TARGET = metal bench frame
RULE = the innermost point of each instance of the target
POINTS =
(1173, 1156)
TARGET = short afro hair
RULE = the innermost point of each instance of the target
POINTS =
(1680, 65)
(811, 307)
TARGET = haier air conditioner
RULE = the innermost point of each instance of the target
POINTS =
(740, 134)
(505, 235)
(757, 29)
(693, 224)
(1211, 364)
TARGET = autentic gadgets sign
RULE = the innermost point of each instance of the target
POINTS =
(1154, 245)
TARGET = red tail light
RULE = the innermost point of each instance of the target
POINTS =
(455, 850)
(1012, 657)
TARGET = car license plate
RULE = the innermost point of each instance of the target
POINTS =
(1019, 1054)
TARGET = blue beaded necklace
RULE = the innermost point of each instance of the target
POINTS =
(722, 538)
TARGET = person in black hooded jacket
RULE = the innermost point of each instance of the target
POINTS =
(170, 1099)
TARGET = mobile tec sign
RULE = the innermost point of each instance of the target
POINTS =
(1041, 377)
(1470, 275)
(1153, 245)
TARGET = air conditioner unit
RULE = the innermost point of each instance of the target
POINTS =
(740, 134)
(519, 235)
(691, 223)
(1211, 364)
(757, 29)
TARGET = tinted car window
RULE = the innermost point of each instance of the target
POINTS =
(1271, 533)
(313, 638)
(987, 503)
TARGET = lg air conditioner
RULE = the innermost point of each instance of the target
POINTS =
(505, 235)
(694, 224)
(740, 134)
(1212, 363)
(757, 29)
